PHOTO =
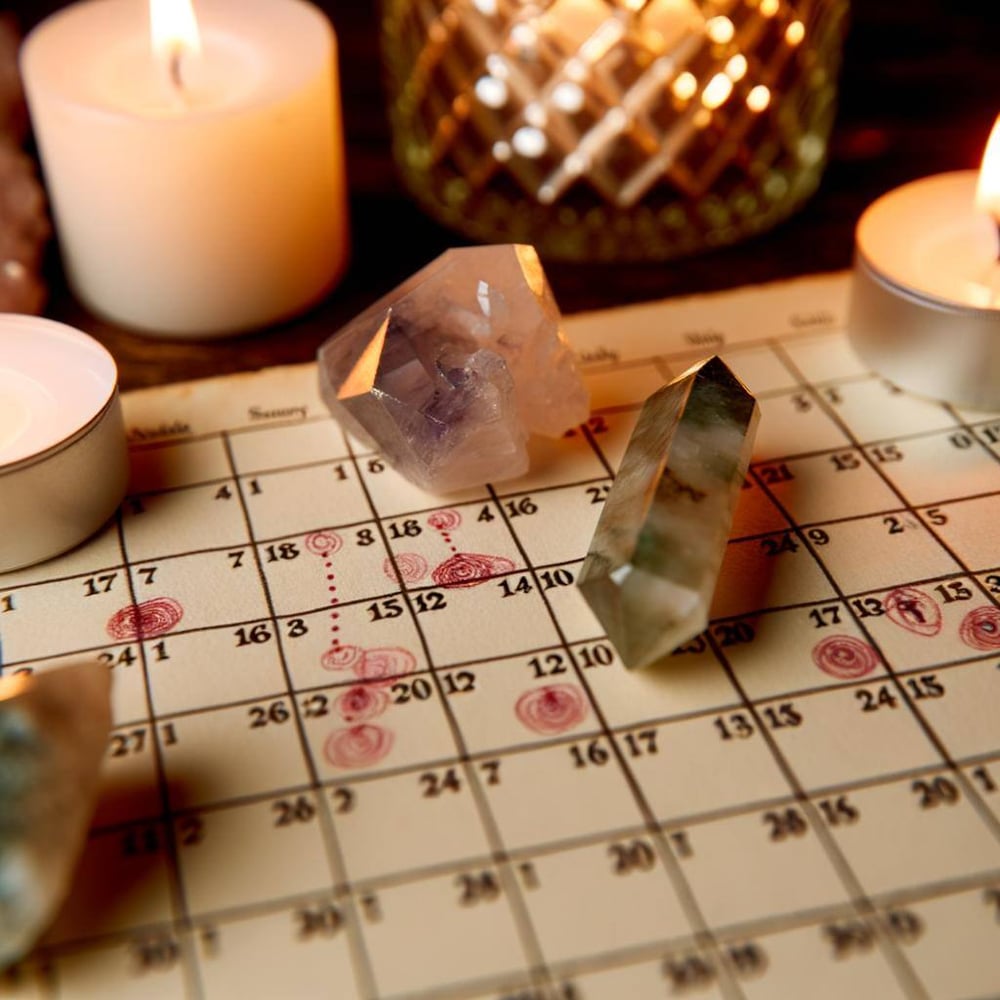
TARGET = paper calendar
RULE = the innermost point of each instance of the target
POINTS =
(371, 742)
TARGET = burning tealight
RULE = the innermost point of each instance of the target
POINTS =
(63, 460)
(196, 177)
(925, 309)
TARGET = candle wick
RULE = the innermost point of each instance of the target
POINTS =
(175, 68)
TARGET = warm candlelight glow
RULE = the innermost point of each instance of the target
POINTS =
(759, 98)
(988, 185)
(174, 33)
(14, 686)
(717, 91)
(720, 29)
(795, 32)
(685, 86)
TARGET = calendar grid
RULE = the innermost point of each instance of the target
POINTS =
(701, 931)
(726, 934)
(704, 935)
(181, 920)
(860, 902)
(360, 960)
(804, 799)
(318, 609)
(968, 788)
(858, 898)
(680, 820)
(538, 971)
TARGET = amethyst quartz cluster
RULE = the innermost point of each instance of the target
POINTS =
(449, 374)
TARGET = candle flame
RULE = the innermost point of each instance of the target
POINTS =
(173, 29)
(988, 186)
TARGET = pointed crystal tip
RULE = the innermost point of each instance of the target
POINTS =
(653, 563)
(448, 374)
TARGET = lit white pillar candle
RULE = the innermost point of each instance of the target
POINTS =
(197, 183)
(63, 462)
(925, 304)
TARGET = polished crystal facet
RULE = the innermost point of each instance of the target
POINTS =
(448, 374)
(53, 734)
(655, 556)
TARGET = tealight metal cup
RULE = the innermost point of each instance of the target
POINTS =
(61, 480)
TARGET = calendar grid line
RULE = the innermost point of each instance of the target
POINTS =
(688, 354)
(526, 930)
(598, 451)
(990, 820)
(901, 966)
(467, 501)
(486, 661)
(675, 822)
(361, 962)
(513, 749)
(851, 519)
(367, 599)
(763, 612)
(983, 810)
(181, 921)
(972, 434)
(681, 886)
(727, 933)
(608, 410)
(654, 949)
(600, 837)
(859, 899)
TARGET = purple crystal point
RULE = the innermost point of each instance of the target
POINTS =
(448, 374)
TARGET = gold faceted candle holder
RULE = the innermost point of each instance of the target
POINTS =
(609, 129)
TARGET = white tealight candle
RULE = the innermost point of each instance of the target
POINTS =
(197, 180)
(925, 305)
(63, 463)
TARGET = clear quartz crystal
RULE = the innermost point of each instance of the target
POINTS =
(653, 563)
(449, 373)
(53, 733)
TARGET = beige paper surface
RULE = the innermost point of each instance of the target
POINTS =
(803, 802)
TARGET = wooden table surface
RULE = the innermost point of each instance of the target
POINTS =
(920, 89)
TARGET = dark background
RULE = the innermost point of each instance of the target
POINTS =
(920, 88)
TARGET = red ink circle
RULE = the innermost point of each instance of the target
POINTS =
(913, 610)
(361, 703)
(384, 664)
(146, 620)
(845, 657)
(341, 657)
(980, 628)
(445, 519)
(412, 568)
(554, 708)
(358, 746)
(469, 569)
(323, 543)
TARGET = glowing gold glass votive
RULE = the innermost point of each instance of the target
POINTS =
(609, 129)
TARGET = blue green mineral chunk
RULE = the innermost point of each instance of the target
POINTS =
(53, 734)
(654, 560)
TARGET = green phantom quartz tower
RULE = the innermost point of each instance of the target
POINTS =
(653, 563)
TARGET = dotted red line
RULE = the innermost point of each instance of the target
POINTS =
(334, 601)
